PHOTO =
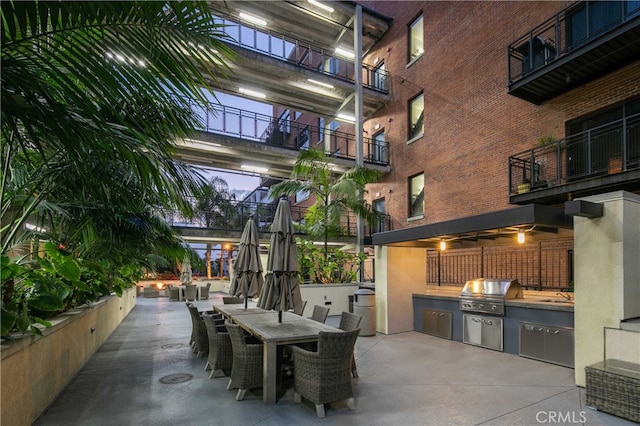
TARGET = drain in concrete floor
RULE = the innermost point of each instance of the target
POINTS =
(172, 345)
(172, 379)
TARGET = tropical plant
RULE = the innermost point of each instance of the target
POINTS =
(94, 95)
(334, 196)
(214, 206)
(337, 266)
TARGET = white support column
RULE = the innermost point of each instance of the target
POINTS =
(400, 272)
(607, 267)
(357, 49)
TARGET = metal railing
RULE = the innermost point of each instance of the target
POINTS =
(302, 54)
(564, 32)
(288, 134)
(232, 216)
(607, 149)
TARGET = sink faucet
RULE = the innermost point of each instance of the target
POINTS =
(565, 295)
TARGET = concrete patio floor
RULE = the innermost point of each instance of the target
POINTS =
(146, 374)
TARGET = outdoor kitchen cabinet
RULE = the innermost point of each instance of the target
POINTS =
(437, 323)
(482, 330)
(547, 343)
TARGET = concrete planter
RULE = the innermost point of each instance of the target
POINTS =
(333, 296)
(35, 369)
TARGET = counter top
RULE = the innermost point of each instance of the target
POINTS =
(547, 300)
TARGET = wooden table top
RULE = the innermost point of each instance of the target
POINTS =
(293, 328)
(239, 309)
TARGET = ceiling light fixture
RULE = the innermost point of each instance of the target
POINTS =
(346, 117)
(521, 237)
(321, 6)
(344, 52)
(253, 19)
(253, 93)
(319, 83)
(443, 245)
(254, 168)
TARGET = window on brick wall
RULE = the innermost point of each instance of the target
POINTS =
(416, 39)
(416, 195)
(416, 117)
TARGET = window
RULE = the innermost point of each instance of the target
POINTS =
(592, 18)
(301, 196)
(416, 41)
(380, 208)
(416, 117)
(380, 77)
(379, 147)
(605, 142)
(416, 195)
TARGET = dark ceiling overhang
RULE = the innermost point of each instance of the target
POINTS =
(488, 225)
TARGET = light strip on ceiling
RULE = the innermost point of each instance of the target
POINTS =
(319, 83)
(253, 93)
(321, 5)
(346, 117)
(253, 19)
(344, 52)
(254, 168)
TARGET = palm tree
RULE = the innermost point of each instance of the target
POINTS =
(213, 205)
(334, 197)
(115, 80)
(94, 95)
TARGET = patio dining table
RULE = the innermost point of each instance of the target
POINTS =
(264, 325)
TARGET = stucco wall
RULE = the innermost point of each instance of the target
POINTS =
(333, 296)
(35, 369)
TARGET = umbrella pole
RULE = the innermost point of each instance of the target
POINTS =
(280, 316)
(246, 302)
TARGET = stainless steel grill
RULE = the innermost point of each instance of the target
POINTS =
(485, 295)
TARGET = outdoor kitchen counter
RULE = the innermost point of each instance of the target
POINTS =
(437, 311)
(546, 300)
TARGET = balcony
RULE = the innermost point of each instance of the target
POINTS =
(229, 136)
(605, 158)
(228, 222)
(579, 44)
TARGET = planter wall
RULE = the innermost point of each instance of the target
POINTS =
(35, 369)
(333, 296)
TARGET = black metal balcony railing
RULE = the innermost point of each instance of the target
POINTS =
(302, 54)
(289, 134)
(232, 216)
(611, 148)
(564, 32)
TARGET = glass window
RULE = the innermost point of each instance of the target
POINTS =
(416, 40)
(380, 208)
(380, 77)
(416, 116)
(416, 195)
(379, 147)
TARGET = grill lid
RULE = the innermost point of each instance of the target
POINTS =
(492, 287)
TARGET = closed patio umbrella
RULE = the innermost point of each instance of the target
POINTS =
(281, 291)
(186, 275)
(247, 280)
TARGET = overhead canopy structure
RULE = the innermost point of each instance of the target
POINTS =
(532, 217)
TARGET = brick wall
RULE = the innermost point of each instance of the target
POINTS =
(471, 123)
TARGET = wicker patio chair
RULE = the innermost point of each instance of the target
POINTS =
(325, 376)
(320, 313)
(204, 292)
(231, 300)
(349, 322)
(191, 292)
(300, 309)
(220, 351)
(173, 292)
(246, 372)
(199, 332)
